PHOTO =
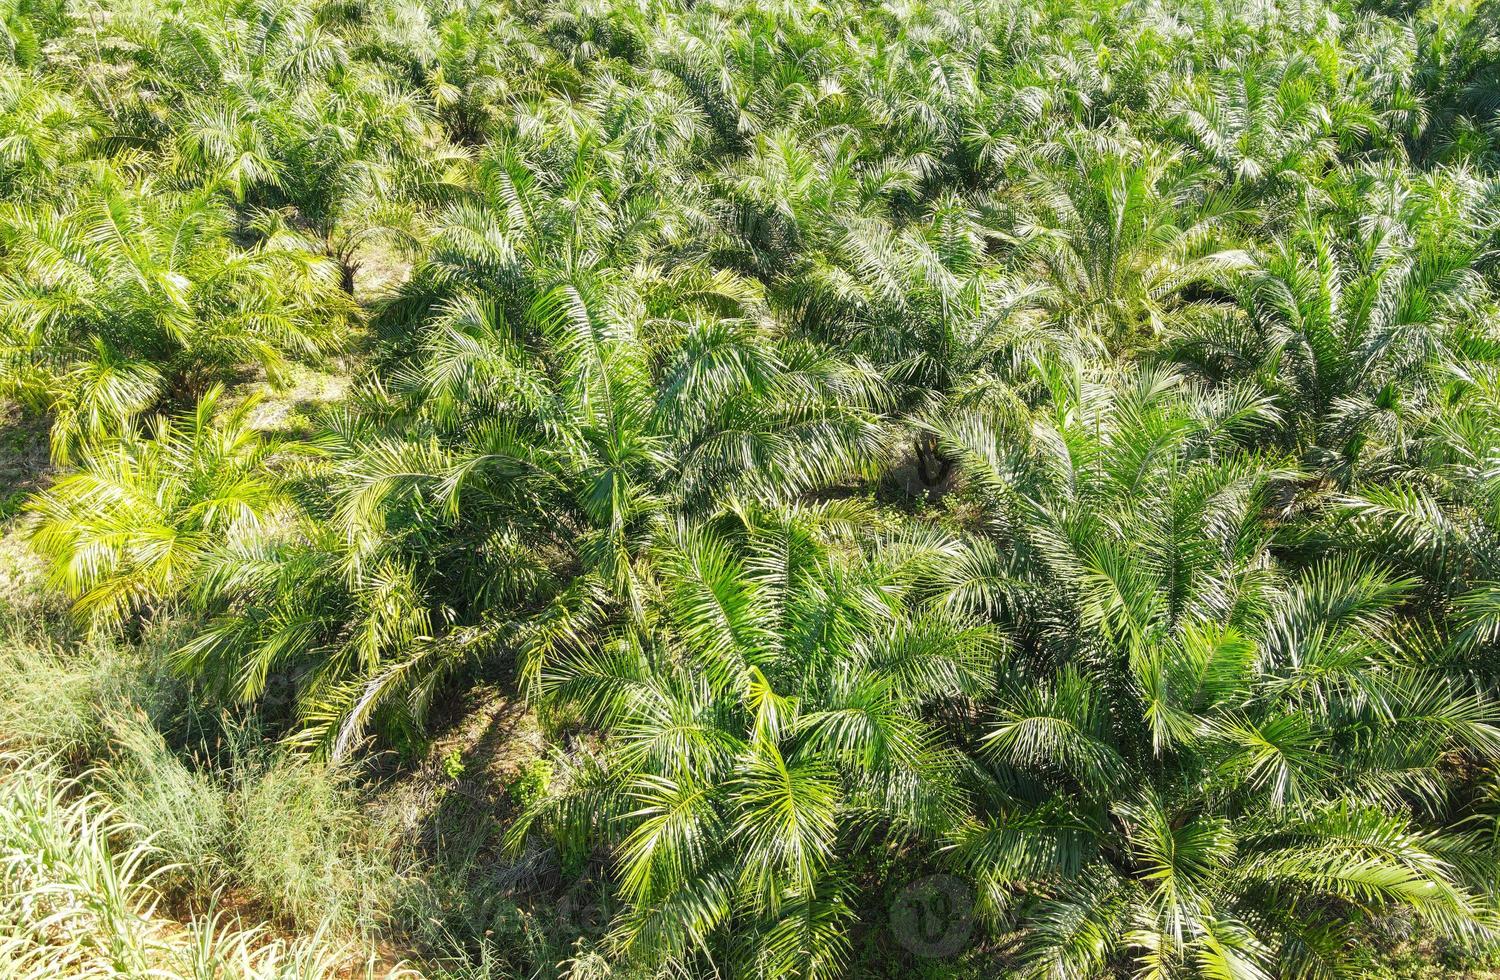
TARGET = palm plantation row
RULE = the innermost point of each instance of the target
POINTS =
(1052, 445)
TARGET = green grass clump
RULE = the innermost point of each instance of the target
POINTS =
(61, 694)
(207, 805)
(76, 902)
(305, 850)
(187, 810)
(531, 783)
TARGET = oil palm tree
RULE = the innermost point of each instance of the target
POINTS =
(770, 714)
(42, 130)
(132, 527)
(1196, 764)
(1346, 329)
(535, 435)
(1265, 123)
(1121, 232)
(129, 298)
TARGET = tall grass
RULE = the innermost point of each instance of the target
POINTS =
(186, 809)
(156, 811)
(76, 902)
(53, 697)
(62, 692)
(148, 803)
(305, 848)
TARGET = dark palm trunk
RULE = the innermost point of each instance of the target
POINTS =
(933, 466)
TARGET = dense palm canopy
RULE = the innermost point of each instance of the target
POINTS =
(1049, 444)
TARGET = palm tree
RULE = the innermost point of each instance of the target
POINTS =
(535, 435)
(1345, 330)
(129, 298)
(1197, 764)
(354, 151)
(1265, 123)
(1121, 233)
(132, 527)
(1456, 75)
(42, 130)
(767, 717)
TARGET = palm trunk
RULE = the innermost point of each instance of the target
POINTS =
(933, 466)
